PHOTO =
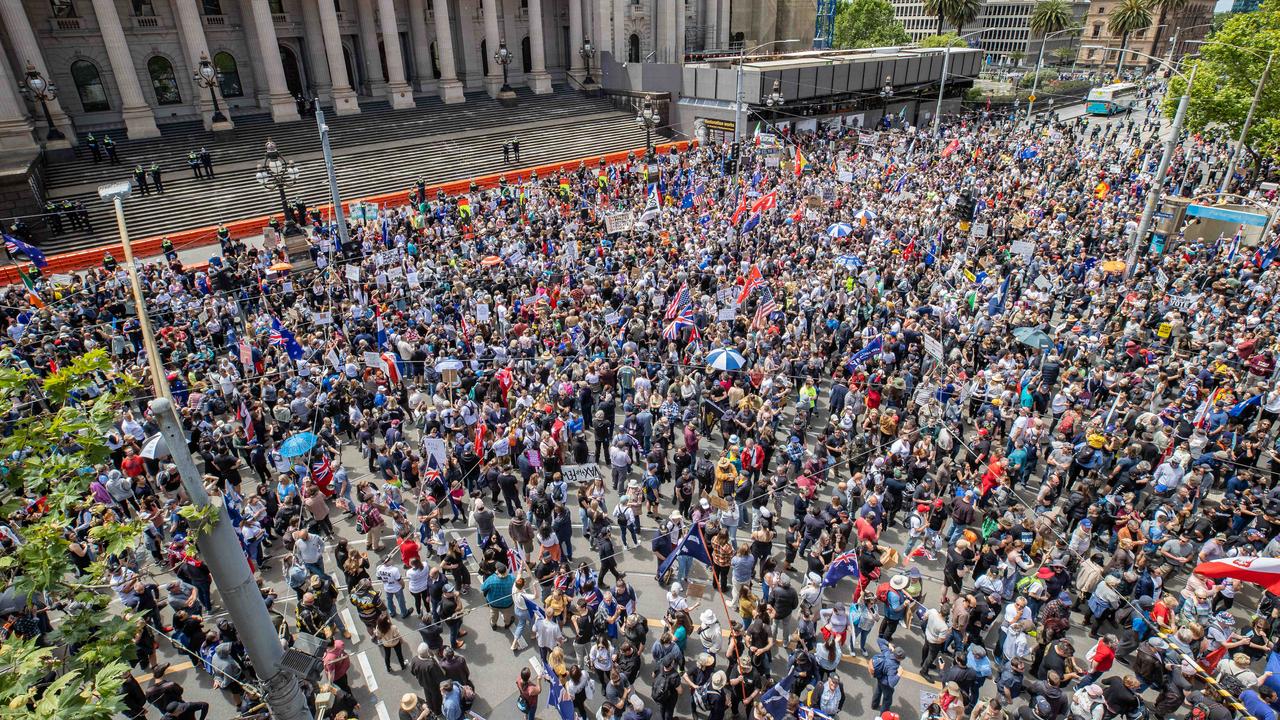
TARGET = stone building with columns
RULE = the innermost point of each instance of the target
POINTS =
(131, 63)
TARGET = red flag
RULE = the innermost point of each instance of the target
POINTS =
(765, 202)
(742, 207)
(951, 147)
(480, 440)
(753, 279)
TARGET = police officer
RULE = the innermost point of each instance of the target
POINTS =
(67, 210)
(515, 148)
(166, 245)
(108, 262)
(274, 224)
(207, 161)
(140, 177)
(155, 178)
(110, 146)
(193, 162)
(224, 239)
(506, 152)
(53, 217)
(94, 148)
(83, 213)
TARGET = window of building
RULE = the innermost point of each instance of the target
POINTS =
(277, 6)
(163, 81)
(212, 7)
(93, 97)
(228, 75)
(1097, 29)
(1141, 33)
(526, 54)
(143, 8)
(633, 48)
(64, 8)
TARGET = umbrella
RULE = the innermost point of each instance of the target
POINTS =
(839, 230)
(849, 261)
(1113, 266)
(299, 444)
(1033, 337)
(444, 365)
(155, 447)
(725, 359)
(491, 261)
(280, 267)
(864, 215)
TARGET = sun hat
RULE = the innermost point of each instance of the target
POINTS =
(899, 582)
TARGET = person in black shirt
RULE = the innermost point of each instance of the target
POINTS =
(1120, 694)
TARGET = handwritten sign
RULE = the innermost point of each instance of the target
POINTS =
(933, 346)
(576, 474)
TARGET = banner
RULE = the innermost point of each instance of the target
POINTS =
(575, 474)
(619, 222)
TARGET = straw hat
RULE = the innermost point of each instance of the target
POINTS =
(409, 702)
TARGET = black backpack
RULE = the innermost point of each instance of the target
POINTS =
(665, 687)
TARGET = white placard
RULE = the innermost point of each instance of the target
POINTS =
(332, 357)
(575, 474)
(322, 318)
(436, 449)
(979, 229)
(1184, 302)
(727, 314)
(374, 360)
(353, 273)
(1042, 282)
(612, 318)
(482, 312)
(412, 277)
(618, 222)
(1023, 248)
(288, 287)
(933, 346)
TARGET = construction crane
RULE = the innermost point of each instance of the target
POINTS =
(825, 28)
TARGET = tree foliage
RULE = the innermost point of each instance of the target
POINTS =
(943, 40)
(1129, 17)
(868, 23)
(1050, 16)
(1227, 77)
(46, 464)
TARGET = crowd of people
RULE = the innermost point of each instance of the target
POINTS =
(932, 342)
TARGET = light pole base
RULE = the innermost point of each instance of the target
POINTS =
(506, 96)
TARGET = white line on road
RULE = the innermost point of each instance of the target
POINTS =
(370, 680)
(382, 711)
(350, 626)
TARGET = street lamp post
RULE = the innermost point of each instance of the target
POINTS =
(737, 95)
(942, 83)
(277, 173)
(587, 51)
(206, 77)
(648, 119)
(1035, 80)
(503, 56)
(44, 91)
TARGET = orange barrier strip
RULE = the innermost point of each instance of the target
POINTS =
(148, 247)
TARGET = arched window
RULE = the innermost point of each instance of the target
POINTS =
(435, 60)
(93, 97)
(228, 75)
(1097, 29)
(526, 54)
(163, 81)
(633, 48)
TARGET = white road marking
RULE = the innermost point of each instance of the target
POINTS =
(351, 627)
(370, 681)
(382, 711)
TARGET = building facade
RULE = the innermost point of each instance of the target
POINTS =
(1244, 6)
(132, 63)
(1170, 36)
(1002, 29)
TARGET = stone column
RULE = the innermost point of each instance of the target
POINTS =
(681, 10)
(369, 48)
(16, 127)
(603, 10)
(575, 40)
(666, 31)
(449, 87)
(139, 120)
(191, 29)
(722, 27)
(492, 41)
(344, 97)
(620, 33)
(538, 78)
(26, 49)
(710, 18)
(280, 102)
(398, 90)
(317, 62)
(422, 75)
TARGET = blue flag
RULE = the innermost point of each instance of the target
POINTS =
(692, 545)
(843, 566)
(774, 700)
(557, 696)
(751, 223)
(865, 354)
(280, 335)
(16, 245)
(1239, 408)
(686, 202)
(534, 609)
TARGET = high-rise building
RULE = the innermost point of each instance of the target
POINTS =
(1170, 36)
(1244, 6)
(1002, 29)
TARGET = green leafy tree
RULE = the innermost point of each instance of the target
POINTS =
(1050, 16)
(1227, 75)
(962, 12)
(50, 455)
(868, 23)
(1063, 54)
(1129, 17)
(943, 40)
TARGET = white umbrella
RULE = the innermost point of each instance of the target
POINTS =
(849, 261)
(865, 216)
(839, 230)
(155, 448)
(450, 364)
(725, 359)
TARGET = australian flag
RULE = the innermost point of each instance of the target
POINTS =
(843, 566)
(557, 696)
(774, 700)
(16, 245)
(693, 545)
(280, 335)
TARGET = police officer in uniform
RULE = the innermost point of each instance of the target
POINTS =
(155, 178)
(506, 152)
(53, 217)
(68, 210)
(94, 148)
(515, 148)
(83, 214)
(108, 262)
(207, 161)
(193, 162)
(110, 146)
(167, 246)
(140, 177)
(224, 239)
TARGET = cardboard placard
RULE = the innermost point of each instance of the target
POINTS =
(577, 474)
(353, 273)
(435, 447)
(1022, 248)
(933, 346)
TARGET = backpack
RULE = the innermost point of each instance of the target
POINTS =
(664, 688)
(367, 517)
(702, 697)
(882, 592)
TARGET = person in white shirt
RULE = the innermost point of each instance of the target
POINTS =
(392, 587)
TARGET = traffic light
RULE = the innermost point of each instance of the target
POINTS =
(735, 151)
(965, 206)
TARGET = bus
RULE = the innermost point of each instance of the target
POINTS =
(1111, 99)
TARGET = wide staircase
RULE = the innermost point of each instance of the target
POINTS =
(378, 151)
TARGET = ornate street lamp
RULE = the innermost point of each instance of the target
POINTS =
(279, 174)
(206, 77)
(775, 98)
(587, 51)
(44, 91)
(648, 119)
(503, 56)
(886, 92)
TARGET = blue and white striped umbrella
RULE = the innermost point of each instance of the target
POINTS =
(839, 230)
(725, 359)
(849, 261)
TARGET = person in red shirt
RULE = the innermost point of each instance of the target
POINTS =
(866, 527)
(409, 548)
(133, 465)
(1103, 657)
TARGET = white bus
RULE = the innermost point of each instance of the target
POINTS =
(1111, 99)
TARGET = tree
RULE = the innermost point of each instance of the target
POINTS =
(1129, 17)
(76, 671)
(1227, 77)
(962, 12)
(1063, 54)
(1050, 16)
(868, 23)
(937, 8)
(943, 40)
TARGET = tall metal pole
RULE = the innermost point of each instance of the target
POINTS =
(942, 85)
(158, 379)
(334, 196)
(737, 99)
(1248, 121)
(1035, 81)
(220, 549)
(1157, 185)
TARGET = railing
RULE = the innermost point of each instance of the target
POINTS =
(68, 24)
(637, 11)
(279, 18)
(146, 22)
(215, 20)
